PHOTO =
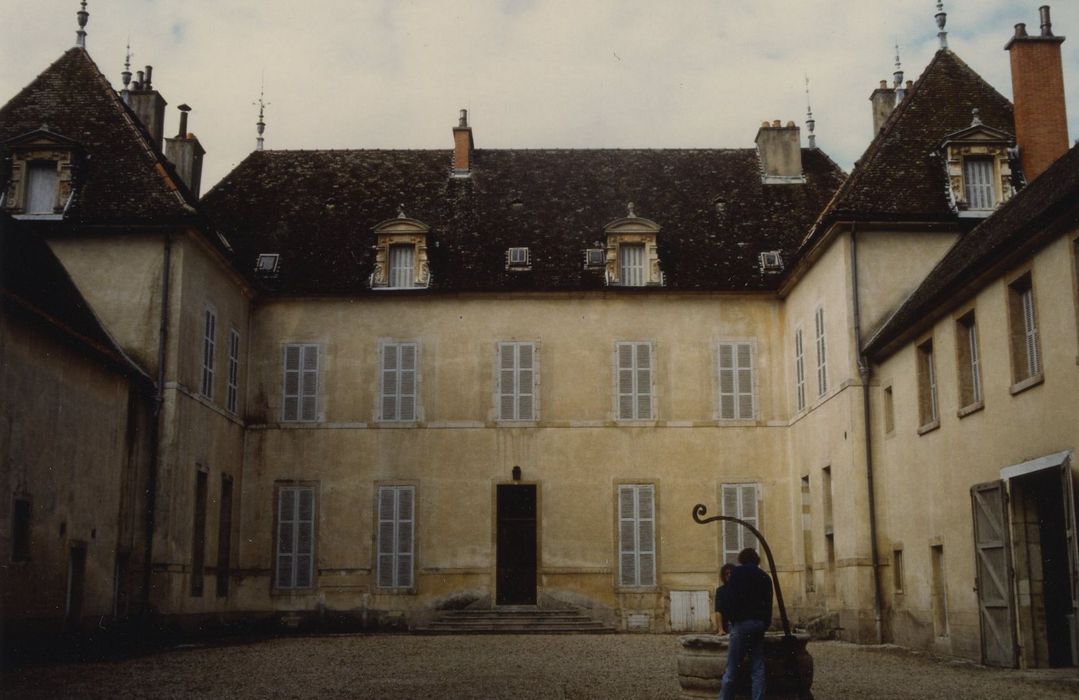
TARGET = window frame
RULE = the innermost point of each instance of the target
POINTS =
(637, 552)
(515, 394)
(395, 273)
(232, 388)
(799, 370)
(990, 187)
(209, 350)
(821, 343)
(41, 165)
(744, 537)
(635, 394)
(736, 382)
(301, 382)
(928, 393)
(398, 347)
(632, 275)
(396, 586)
(294, 486)
(970, 386)
(1028, 369)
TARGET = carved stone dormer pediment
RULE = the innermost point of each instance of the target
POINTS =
(401, 254)
(632, 255)
(978, 167)
(41, 183)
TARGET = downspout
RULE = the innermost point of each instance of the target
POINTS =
(155, 426)
(865, 371)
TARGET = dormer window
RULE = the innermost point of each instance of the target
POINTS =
(41, 166)
(594, 258)
(401, 254)
(518, 258)
(771, 261)
(632, 258)
(266, 263)
(978, 167)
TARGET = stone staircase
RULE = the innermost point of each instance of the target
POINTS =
(518, 619)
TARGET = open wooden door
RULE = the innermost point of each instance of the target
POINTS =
(993, 569)
(1068, 488)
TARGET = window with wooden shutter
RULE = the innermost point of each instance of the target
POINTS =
(978, 176)
(233, 392)
(396, 536)
(739, 501)
(634, 379)
(631, 264)
(736, 381)
(398, 382)
(799, 371)
(301, 383)
(969, 362)
(209, 336)
(1023, 318)
(295, 548)
(517, 371)
(928, 412)
(637, 535)
(822, 353)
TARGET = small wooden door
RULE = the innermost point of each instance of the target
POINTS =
(993, 570)
(516, 550)
(690, 611)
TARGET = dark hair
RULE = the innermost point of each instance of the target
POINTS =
(749, 556)
(725, 569)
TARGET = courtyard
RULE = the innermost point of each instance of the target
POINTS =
(491, 667)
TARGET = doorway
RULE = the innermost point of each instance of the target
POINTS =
(76, 579)
(516, 545)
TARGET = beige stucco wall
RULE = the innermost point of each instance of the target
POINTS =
(924, 480)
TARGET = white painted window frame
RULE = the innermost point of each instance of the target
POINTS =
(739, 388)
(637, 537)
(292, 529)
(735, 537)
(305, 377)
(509, 385)
(396, 525)
(393, 382)
(635, 392)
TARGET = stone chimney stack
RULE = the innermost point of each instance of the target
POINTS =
(1041, 121)
(149, 106)
(780, 151)
(883, 101)
(463, 145)
(186, 154)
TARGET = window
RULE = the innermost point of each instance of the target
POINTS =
(518, 258)
(889, 411)
(301, 383)
(826, 494)
(634, 381)
(233, 392)
(1026, 352)
(637, 535)
(517, 381)
(978, 177)
(822, 359)
(631, 264)
(295, 546)
(266, 263)
(398, 381)
(970, 372)
(402, 265)
(224, 537)
(928, 414)
(594, 258)
(940, 596)
(739, 501)
(897, 570)
(396, 536)
(736, 391)
(208, 342)
(20, 530)
(807, 534)
(198, 536)
(799, 371)
(42, 187)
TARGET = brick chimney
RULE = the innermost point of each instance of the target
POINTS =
(148, 104)
(883, 101)
(780, 151)
(462, 147)
(186, 154)
(1041, 122)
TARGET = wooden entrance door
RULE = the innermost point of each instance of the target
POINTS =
(516, 550)
(994, 582)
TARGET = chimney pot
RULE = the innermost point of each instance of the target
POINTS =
(884, 85)
(149, 78)
(776, 123)
(463, 122)
(1047, 24)
(910, 84)
(780, 151)
(184, 109)
(1021, 30)
(463, 146)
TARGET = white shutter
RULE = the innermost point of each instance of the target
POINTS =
(407, 402)
(305, 536)
(506, 381)
(646, 535)
(208, 345)
(975, 362)
(799, 370)
(736, 400)
(626, 398)
(385, 549)
(632, 259)
(744, 359)
(389, 382)
(286, 551)
(822, 359)
(309, 384)
(295, 537)
(526, 381)
(399, 389)
(644, 381)
(748, 498)
(726, 381)
(627, 536)
(739, 501)
(637, 535)
(291, 403)
(1030, 328)
(232, 398)
(931, 378)
(42, 184)
(396, 536)
(402, 265)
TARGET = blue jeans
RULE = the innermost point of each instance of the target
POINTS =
(747, 637)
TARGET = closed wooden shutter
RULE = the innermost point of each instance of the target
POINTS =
(739, 501)
(295, 537)
(994, 582)
(978, 173)
(402, 265)
(309, 384)
(42, 185)
(632, 264)
(516, 381)
(822, 353)
(1030, 333)
(291, 405)
(637, 535)
(799, 371)
(736, 399)
(634, 381)
(399, 381)
(396, 536)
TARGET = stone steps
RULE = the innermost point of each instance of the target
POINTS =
(514, 620)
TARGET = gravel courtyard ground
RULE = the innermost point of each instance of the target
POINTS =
(493, 667)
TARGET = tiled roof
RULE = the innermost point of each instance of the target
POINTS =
(120, 178)
(1010, 232)
(900, 175)
(317, 209)
(34, 285)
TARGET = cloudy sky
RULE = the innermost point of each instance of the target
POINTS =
(533, 73)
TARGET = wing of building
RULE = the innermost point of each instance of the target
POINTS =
(383, 384)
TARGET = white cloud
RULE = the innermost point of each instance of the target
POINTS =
(535, 73)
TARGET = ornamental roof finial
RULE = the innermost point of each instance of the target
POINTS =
(80, 35)
(260, 125)
(401, 211)
(126, 74)
(811, 123)
(629, 211)
(942, 19)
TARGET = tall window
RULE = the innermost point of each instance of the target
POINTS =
(398, 382)
(295, 546)
(888, 410)
(736, 391)
(799, 371)
(928, 413)
(978, 174)
(42, 186)
(637, 535)
(634, 381)
(940, 594)
(631, 260)
(402, 265)
(739, 501)
(822, 353)
(301, 383)
(208, 343)
(198, 537)
(224, 537)
(396, 533)
(233, 392)
(970, 372)
(20, 530)
(897, 570)
(1026, 351)
(517, 381)
(807, 534)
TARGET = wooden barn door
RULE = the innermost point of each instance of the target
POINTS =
(993, 570)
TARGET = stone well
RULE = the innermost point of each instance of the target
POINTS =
(788, 666)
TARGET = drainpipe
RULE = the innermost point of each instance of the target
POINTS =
(155, 427)
(864, 370)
